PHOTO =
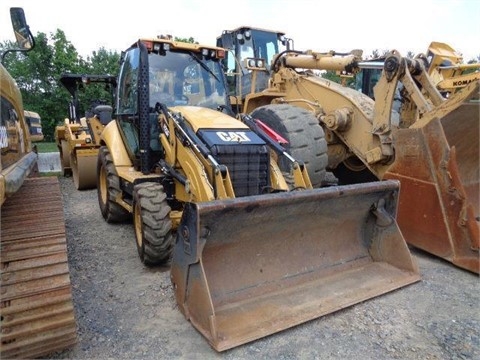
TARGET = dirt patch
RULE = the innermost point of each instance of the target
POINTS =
(125, 310)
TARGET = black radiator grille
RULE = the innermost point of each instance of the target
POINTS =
(248, 166)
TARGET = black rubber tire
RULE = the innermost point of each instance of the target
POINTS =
(108, 187)
(305, 136)
(152, 224)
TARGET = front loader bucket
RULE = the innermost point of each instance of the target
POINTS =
(248, 267)
(438, 166)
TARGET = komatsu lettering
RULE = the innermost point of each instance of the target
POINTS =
(233, 136)
(462, 82)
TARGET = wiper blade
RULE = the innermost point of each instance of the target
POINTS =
(205, 67)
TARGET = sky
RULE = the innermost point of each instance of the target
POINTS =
(339, 25)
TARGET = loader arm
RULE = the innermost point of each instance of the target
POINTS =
(346, 115)
(365, 127)
(458, 81)
(447, 69)
(185, 152)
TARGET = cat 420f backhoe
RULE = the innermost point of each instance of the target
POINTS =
(255, 250)
(431, 145)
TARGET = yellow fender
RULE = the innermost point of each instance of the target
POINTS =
(112, 138)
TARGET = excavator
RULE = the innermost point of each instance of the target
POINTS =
(78, 138)
(431, 144)
(252, 249)
(36, 309)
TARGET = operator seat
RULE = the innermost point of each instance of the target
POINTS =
(104, 113)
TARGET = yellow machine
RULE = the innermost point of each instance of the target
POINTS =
(443, 64)
(34, 123)
(36, 309)
(431, 145)
(78, 138)
(253, 249)
(447, 70)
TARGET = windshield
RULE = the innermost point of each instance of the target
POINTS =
(186, 78)
(267, 45)
(366, 80)
(249, 43)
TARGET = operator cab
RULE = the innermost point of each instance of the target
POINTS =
(161, 72)
(179, 74)
(250, 48)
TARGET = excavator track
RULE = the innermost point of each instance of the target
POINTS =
(36, 308)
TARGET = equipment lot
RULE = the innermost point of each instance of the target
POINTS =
(127, 311)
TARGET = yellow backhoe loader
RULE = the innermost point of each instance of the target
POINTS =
(253, 250)
(431, 144)
(36, 308)
(78, 138)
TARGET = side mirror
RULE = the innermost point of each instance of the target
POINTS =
(21, 29)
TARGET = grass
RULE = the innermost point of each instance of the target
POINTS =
(45, 147)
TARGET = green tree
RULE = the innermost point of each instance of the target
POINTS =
(37, 73)
(189, 40)
(100, 62)
(103, 61)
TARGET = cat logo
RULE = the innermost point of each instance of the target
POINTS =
(233, 136)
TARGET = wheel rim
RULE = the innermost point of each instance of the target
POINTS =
(137, 223)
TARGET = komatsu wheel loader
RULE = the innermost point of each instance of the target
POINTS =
(431, 145)
(253, 250)
(78, 139)
(443, 64)
(447, 70)
(36, 309)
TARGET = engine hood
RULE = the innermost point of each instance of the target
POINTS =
(206, 118)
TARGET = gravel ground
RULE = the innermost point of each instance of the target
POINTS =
(127, 311)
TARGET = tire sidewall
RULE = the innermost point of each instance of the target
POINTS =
(305, 136)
